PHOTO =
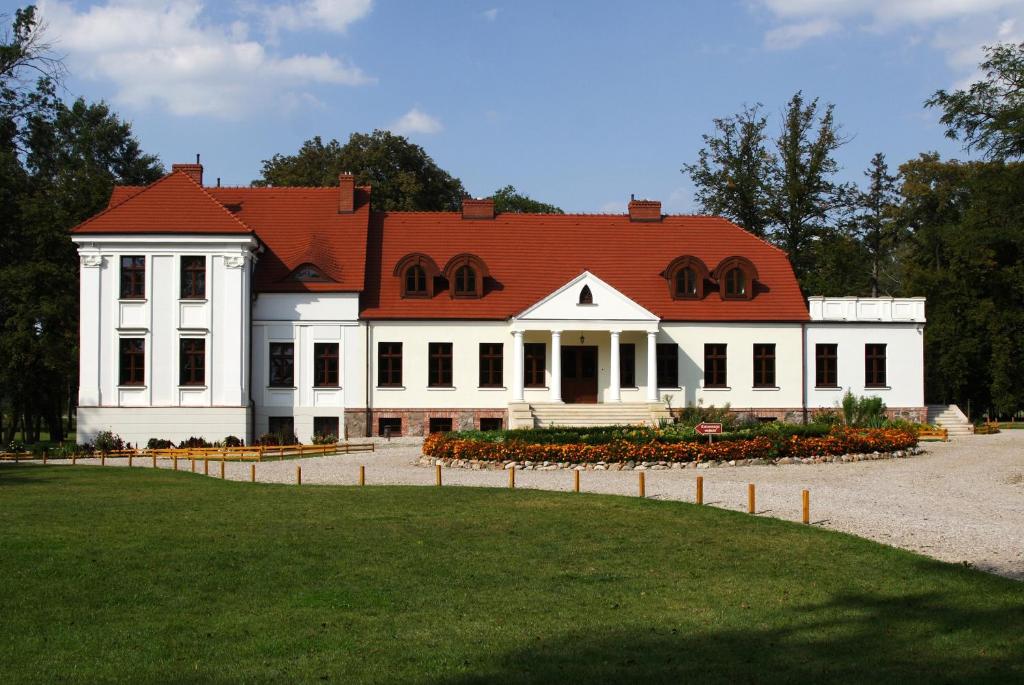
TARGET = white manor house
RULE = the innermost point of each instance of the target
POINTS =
(214, 311)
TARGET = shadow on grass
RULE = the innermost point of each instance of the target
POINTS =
(20, 474)
(852, 638)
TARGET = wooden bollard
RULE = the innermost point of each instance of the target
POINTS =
(700, 489)
(362, 475)
(512, 479)
(74, 458)
(175, 459)
(103, 459)
(575, 481)
(130, 460)
(643, 484)
(298, 475)
(222, 469)
(193, 460)
(154, 461)
(252, 473)
(206, 467)
(751, 499)
(44, 457)
(807, 506)
(437, 474)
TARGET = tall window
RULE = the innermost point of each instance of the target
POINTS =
(415, 281)
(465, 281)
(133, 361)
(439, 374)
(193, 278)
(133, 278)
(193, 361)
(714, 366)
(491, 358)
(282, 365)
(686, 282)
(764, 365)
(874, 366)
(735, 283)
(826, 357)
(668, 365)
(627, 365)
(325, 356)
(389, 364)
(534, 365)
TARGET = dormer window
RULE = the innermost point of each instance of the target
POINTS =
(686, 276)
(308, 273)
(586, 297)
(465, 282)
(415, 281)
(736, 277)
(735, 283)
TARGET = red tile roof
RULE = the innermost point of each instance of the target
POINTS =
(528, 255)
(531, 255)
(173, 204)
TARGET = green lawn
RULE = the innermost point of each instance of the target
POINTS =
(155, 576)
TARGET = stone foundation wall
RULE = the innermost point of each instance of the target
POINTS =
(796, 414)
(416, 422)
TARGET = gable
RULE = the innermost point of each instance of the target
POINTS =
(586, 298)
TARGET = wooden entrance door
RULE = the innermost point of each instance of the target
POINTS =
(579, 374)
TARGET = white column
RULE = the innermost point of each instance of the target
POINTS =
(615, 394)
(89, 341)
(556, 366)
(517, 366)
(652, 366)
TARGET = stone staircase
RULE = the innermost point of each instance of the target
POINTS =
(544, 415)
(951, 418)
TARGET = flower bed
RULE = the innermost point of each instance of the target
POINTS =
(839, 441)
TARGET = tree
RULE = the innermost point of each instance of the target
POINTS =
(876, 223)
(402, 174)
(733, 171)
(508, 200)
(989, 115)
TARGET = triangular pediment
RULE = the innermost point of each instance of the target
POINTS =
(586, 298)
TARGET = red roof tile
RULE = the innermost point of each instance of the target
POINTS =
(529, 256)
(173, 204)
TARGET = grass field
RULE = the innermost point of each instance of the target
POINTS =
(155, 576)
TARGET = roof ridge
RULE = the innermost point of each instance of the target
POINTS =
(212, 199)
(145, 188)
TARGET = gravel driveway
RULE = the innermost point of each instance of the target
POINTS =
(961, 501)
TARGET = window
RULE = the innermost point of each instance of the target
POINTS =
(465, 281)
(193, 278)
(586, 297)
(627, 365)
(668, 365)
(282, 365)
(325, 356)
(439, 425)
(491, 424)
(415, 281)
(764, 365)
(825, 365)
(874, 366)
(686, 282)
(714, 366)
(389, 426)
(133, 278)
(389, 365)
(325, 425)
(439, 373)
(308, 273)
(534, 365)
(133, 361)
(283, 427)
(193, 361)
(735, 283)
(491, 365)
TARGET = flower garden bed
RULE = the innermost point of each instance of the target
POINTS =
(838, 445)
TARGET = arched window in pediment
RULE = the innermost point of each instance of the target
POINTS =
(586, 297)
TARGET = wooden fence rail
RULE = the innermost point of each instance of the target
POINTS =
(254, 453)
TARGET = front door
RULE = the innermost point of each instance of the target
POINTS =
(579, 375)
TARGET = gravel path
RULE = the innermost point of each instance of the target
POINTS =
(961, 501)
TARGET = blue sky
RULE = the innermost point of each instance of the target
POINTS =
(575, 103)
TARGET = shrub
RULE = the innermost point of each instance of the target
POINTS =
(324, 438)
(277, 439)
(16, 446)
(691, 416)
(159, 444)
(267, 439)
(233, 441)
(193, 443)
(863, 412)
(108, 441)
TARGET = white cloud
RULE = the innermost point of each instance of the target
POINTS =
(613, 207)
(789, 36)
(491, 14)
(416, 121)
(165, 53)
(327, 15)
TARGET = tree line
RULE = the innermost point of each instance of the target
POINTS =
(949, 230)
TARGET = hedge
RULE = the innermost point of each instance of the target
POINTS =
(838, 441)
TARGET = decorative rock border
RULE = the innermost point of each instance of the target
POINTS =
(484, 464)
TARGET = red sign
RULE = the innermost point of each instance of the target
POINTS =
(708, 428)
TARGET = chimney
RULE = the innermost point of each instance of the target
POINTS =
(346, 193)
(645, 210)
(194, 171)
(477, 208)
